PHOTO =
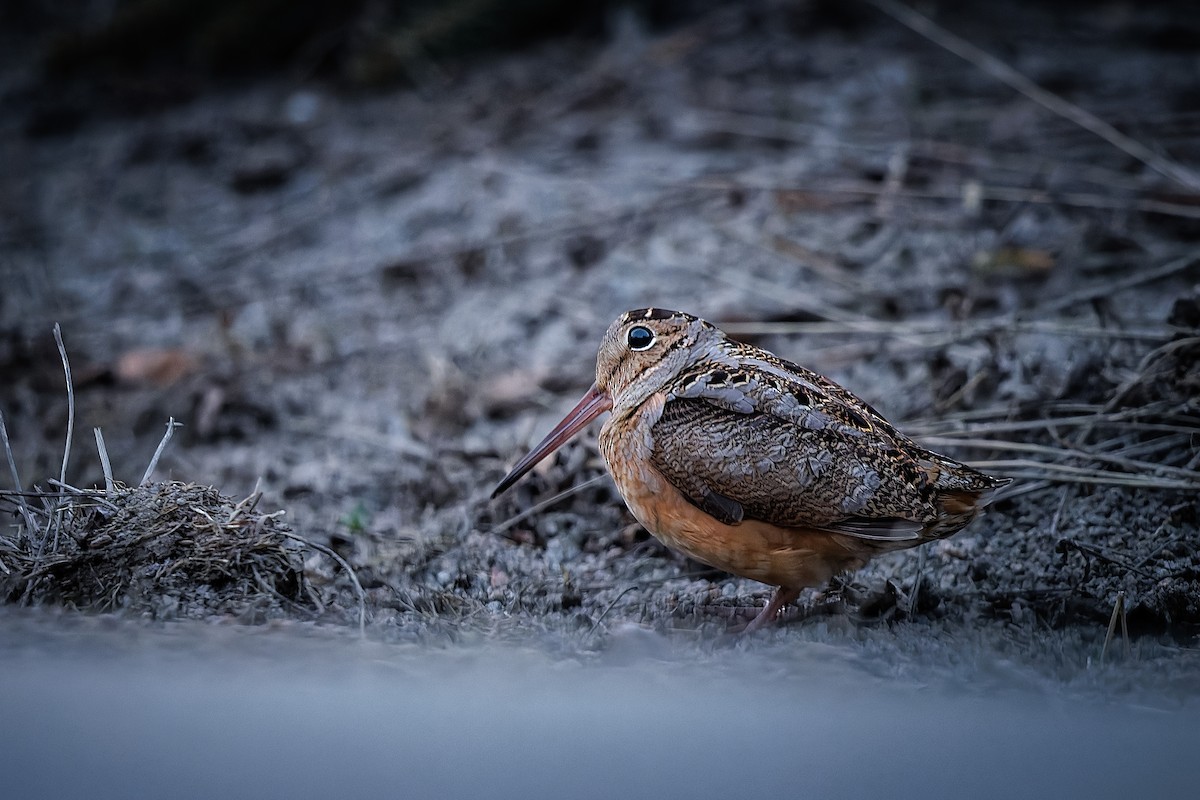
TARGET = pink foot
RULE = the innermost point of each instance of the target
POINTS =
(783, 597)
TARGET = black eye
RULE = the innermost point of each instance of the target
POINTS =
(639, 337)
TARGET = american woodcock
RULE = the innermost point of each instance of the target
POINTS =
(754, 465)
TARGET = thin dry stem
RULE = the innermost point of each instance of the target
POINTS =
(1000, 194)
(1125, 420)
(1111, 288)
(1006, 74)
(90, 494)
(1066, 452)
(30, 526)
(827, 268)
(922, 554)
(1056, 520)
(609, 608)
(1144, 365)
(162, 445)
(358, 589)
(956, 153)
(1118, 612)
(799, 299)
(1025, 468)
(937, 330)
(247, 505)
(539, 507)
(62, 352)
(110, 485)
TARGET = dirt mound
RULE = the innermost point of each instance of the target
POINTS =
(164, 550)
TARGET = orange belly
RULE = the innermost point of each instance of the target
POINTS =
(792, 557)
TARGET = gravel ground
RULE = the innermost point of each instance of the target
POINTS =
(369, 304)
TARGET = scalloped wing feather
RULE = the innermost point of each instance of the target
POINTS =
(794, 449)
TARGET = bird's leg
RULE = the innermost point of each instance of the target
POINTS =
(783, 597)
(832, 599)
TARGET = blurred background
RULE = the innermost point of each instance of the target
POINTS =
(364, 252)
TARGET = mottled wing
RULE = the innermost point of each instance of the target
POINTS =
(737, 466)
(791, 448)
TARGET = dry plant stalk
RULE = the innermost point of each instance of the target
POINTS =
(1005, 73)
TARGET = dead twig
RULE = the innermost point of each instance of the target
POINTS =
(1112, 287)
(1117, 612)
(916, 591)
(1025, 468)
(358, 589)
(1143, 367)
(1056, 520)
(609, 608)
(62, 352)
(30, 526)
(1006, 74)
(247, 505)
(54, 524)
(1171, 512)
(999, 194)
(110, 485)
(90, 494)
(1128, 420)
(956, 153)
(825, 267)
(937, 330)
(1136, 466)
(796, 298)
(544, 504)
(162, 445)
(1096, 552)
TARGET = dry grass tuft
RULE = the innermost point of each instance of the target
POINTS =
(165, 550)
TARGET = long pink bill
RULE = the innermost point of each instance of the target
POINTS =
(593, 404)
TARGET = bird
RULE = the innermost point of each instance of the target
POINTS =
(755, 465)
